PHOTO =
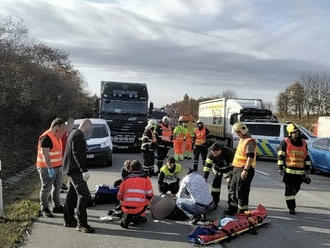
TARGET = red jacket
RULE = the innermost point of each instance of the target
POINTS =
(135, 193)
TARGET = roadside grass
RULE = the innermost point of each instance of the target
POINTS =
(21, 208)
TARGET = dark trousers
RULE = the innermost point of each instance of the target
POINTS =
(199, 150)
(292, 187)
(216, 188)
(161, 155)
(240, 190)
(78, 196)
(173, 187)
(148, 162)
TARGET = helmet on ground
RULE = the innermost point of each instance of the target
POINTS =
(240, 127)
(165, 119)
(152, 123)
(291, 128)
(199, 121)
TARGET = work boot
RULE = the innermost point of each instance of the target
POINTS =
(196, 219)
(85, 229)
(125, 220)
(292, 211)
(58, 210)
(46, 213)
(71, 224)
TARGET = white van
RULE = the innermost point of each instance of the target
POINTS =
(99, 145)
(269, 136)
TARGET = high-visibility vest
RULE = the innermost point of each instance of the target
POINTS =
(240, 157)
(179, 132)
(295, 155)
(133, 193)
(146, 137)
(55, 154)
(171, 177)
(166, 132)
(200, 136)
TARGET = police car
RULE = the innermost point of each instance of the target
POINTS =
(269, 136)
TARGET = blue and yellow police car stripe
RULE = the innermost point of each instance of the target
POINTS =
(265, 148)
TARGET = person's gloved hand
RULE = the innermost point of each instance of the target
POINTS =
(86, 176)
(51, 172)
(281, 172)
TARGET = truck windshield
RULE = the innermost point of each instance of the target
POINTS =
(126, 107)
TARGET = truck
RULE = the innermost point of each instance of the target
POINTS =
(219, 115)
(125, 108)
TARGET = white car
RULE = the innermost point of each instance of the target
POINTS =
(99, 144)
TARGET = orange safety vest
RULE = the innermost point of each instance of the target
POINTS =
(295, 155)
(200, 136)
(55, 154)
(240, 157)
(180, 135)
(166, 132)
(133, 193)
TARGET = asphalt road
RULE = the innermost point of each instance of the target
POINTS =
(309, 228)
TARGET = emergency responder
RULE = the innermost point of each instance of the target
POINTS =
(220, 158)
(164, 140)
(148, 147)
(188, 151)
(134, 194)
(49, 166)
(168, 178)
(178, 140)
(200, 143)
(293, 163)
(244, 163)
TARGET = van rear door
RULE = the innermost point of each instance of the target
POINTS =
(268, 137)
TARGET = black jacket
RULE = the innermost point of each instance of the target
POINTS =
(74, 160)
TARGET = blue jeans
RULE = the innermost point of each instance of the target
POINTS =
(190, 208)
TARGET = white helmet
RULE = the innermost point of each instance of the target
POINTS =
(152, 123)
(199, 121)
(240, 127)
(165, 118)
(181, 119)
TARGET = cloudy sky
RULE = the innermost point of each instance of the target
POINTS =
(255, 48)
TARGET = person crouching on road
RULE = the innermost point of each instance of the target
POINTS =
(220, 158)
(135, 194)
(194, 197)
(168, 178)
(49, 165)
(148, 148)
(293, 164)
(243, 172)
(74, 165)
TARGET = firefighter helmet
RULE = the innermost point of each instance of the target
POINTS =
(199, 121)
(152, 123)
(291, 128)
(240, 127)
(181, 119)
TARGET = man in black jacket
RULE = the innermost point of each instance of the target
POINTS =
(74, 165)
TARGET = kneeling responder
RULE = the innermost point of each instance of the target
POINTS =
(148, 147)
(168, 178)
(134, 194)
(243, 172)
(293, 164)
(220, 158)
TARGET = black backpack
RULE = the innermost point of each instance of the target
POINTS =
(105, 194)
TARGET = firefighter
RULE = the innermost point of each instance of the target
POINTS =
(168, 178)
(188, 151)
(178, 140)
(243, 172)
(164, 140)
(294, 164)
(200, 144)
(134, 194)
(148, 146)
(221, 159)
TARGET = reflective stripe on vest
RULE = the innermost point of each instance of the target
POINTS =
(171, 177)
(295, 155)
(240, 155)
(200, 136)
(166, 132)
(179, 133)
(55, 154)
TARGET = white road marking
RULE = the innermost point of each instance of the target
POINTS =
(263, 173)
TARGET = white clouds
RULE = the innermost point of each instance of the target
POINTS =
(208, 45)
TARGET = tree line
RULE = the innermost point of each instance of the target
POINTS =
(308, 96)
(37, 84)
